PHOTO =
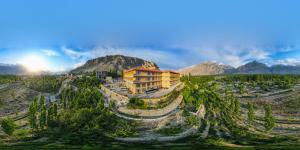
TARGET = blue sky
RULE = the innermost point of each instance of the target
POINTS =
(174, 34)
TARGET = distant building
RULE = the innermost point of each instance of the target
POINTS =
(109, 79)
(101, 75)
(139, 80)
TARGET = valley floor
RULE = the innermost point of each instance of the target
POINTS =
(169, 129)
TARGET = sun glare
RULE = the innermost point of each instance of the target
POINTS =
(34, 63)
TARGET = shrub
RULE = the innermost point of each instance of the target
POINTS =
(170, 130)
(251, 115)
(136, 102)
(269, 118)
(8, 126)
(192, 120)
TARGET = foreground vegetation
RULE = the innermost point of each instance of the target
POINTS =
(80, 119)
(4, 79)
(44, 83)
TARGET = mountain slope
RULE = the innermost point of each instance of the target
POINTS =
(12, 69)
(254, 67)
(282, 69)
(207, 68)
(112, 62)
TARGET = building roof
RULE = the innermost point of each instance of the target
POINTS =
(142, 69)
(171, 71)
(147, 69)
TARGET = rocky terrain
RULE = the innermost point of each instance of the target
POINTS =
(15, 99)
(207, 68)
(254, 67)
(112, 63)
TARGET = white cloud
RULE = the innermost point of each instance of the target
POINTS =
(163, 58)
(226, 53)
(74, 54)
(288, 61)
(78, 64)
(50, 52)
(190, 53)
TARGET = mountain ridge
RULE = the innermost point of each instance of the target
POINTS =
(12, 69)
(112, 63)
(253, 67)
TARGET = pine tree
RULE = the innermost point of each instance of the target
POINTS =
(33, 114)
(251, 115)
(50, 114)
(232, 103)
(269, 119)
(42, 101)
(55, 110)
(43, 117)
(237, 106)
(226, 93)
(43, 112)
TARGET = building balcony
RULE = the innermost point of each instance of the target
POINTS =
(146, 75)
(146, 81)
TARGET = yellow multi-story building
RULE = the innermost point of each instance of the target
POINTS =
(169, 78)
(139, 80)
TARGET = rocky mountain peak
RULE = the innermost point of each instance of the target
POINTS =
(112, 62)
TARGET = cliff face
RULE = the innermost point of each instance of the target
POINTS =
(112, 62)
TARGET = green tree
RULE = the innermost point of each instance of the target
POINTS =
(237, 106)
(232, 103)
(136, 102)
(50, 114)
(43, 113)
(251, 115)
(242, 89)
(32, 114)
(55, 110)
(227, 94)
(269, 119)
(42, 101)
(8, 126)
(192, 120)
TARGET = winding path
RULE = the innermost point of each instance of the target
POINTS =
(146, 119)
(155, 113)
(150, 138)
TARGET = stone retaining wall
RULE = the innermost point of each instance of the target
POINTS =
(114, 96)
(152, 113)
(184, 134)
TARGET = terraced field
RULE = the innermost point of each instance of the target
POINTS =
(15, 99)
(285, 108)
